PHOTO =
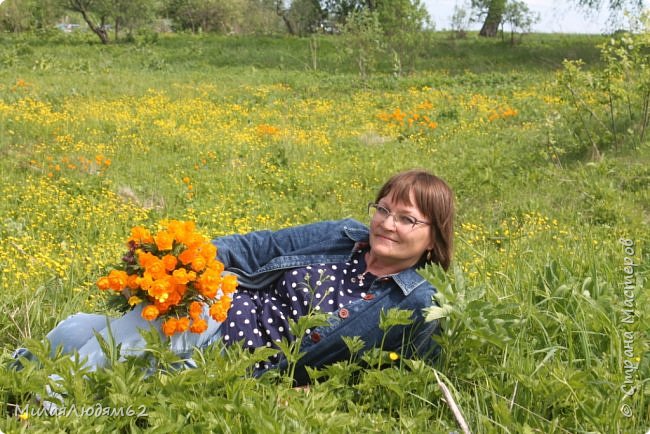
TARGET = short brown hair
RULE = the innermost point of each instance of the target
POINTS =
(435, 199)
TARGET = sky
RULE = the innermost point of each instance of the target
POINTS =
(556, 16)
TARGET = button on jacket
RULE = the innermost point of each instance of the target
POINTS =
(259, 258)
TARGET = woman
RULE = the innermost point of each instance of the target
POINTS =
(344, 268)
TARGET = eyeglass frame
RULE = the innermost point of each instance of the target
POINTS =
(395, 216)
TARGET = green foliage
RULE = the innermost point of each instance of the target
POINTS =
(609, 108)
(363, 39)
(402, 23)
(519, 16)
(306, 16)
(23, 15)
(232, 17)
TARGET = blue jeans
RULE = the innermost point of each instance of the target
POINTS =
(77, 333)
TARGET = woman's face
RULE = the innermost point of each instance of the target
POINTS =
(400, 245)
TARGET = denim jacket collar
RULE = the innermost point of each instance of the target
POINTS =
(407, 280)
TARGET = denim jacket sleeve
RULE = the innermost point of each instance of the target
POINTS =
(264, 251)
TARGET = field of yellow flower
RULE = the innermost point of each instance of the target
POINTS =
(534, 340)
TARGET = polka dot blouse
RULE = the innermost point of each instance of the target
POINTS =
(261, 317)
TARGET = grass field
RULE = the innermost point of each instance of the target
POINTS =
(548, 324)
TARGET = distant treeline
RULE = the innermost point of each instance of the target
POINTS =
(115, 19)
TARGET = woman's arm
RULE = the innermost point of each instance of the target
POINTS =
(251, 251)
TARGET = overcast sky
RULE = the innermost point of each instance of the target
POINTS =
(556, 16)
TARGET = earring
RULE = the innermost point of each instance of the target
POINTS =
(429, 256)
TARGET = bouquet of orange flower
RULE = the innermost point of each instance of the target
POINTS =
(176, 273)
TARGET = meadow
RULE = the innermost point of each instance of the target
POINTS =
(546, 319)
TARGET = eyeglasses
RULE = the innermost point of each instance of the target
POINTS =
(402, 221)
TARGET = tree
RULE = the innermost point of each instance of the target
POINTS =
(130, 14)
(493, 11)
(21, 15)
(207, 15)
(519, 16)
(460, 21)
(283, 12)
(616, 7)
(403, 22)
(363, 38)
(401, 16)
(339, 10)
(306, 15)
(261, 18)
(91, 11)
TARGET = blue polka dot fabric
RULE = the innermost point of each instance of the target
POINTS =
(260, 318)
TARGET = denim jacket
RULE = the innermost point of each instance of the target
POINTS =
(259, 258)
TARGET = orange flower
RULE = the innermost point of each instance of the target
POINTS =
(229, 284)
(208, 251)
(140, 235)
(187, 256)
(196, 309)
(145, 259)
(182, 324)
(160, 289)
(164, 240)
(156, 269)
(198, 326)
(150, 312)
(182, 276)
(163, 308)
(208, 283)
(145, 282)
(170, 262)
(117, 280)
(215, 265)
(183, 231)
(180, 289)
(132, 281)
(198, 263)
(219, 309)
(103, 283)
(173, 298)
(169, 326)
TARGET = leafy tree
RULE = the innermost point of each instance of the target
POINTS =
(363, 39)
(339, 10)
(94, 13)
(283, 12)
(129, 14)
(612, 4)
(261, 18)
(21, 15)
(186, 14)
(616, 7)
(493, 11)
(401, 16)
(224, 16)
(519, 16)
(460, 21)
(206, 15)
(306, 15)
(402, 22)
